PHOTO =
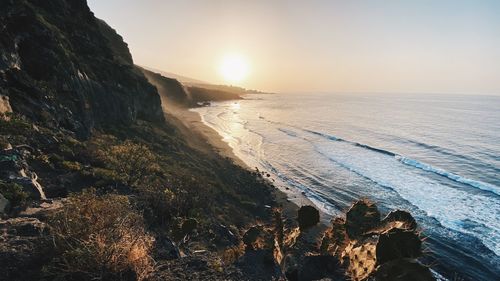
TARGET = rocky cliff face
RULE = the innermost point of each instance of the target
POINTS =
(169, 89)
(61, 66)
(172, 91)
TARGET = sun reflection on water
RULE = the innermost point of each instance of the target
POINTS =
(235, 106)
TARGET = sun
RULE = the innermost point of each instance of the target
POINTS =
(234, 68)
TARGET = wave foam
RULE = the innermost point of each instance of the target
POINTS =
(426, 167)
(417, 164)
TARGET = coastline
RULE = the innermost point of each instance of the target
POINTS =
(205, 138)
(199, 135)
(202, 137)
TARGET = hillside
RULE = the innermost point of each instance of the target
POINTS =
(180, 78)
(61, 66)
(98, 183)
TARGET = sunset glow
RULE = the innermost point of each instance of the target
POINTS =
(234, 68)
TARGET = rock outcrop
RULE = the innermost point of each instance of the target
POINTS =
(14, 169)
(61, 66)
(5, 107)
(24, 248)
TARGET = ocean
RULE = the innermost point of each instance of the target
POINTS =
(435, 155)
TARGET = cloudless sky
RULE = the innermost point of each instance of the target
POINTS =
(446, 46)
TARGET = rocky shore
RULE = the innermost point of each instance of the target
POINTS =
(101, 179)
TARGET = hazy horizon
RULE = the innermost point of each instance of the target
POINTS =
(317, 46)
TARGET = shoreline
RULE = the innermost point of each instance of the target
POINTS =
(206, 139)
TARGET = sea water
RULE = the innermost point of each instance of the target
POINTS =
(435, 155)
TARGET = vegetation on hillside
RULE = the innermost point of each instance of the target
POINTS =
(141, 181)
(100, 237)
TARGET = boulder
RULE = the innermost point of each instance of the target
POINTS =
(308, 216)
(23, 227)
(42, 210)
(4, 107)
(31, 186)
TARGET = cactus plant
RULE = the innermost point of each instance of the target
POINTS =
(360, 218)
(370, 248)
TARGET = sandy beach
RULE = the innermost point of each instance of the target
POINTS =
(198, 135)
(202, 137)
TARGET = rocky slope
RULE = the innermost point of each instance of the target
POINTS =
(61, 66)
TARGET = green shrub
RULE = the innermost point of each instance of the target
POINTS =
(135, 164)
(71, 165)
(14, 193)
(157, 204)
(102, 237)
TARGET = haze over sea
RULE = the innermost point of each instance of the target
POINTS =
(437, 156)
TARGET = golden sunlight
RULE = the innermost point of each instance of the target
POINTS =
(234, 68)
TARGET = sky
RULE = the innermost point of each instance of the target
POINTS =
(400, 46)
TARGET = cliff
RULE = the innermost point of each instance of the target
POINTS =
(61, 66)
(171, 90)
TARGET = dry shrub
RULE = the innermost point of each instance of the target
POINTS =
(100, 237)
